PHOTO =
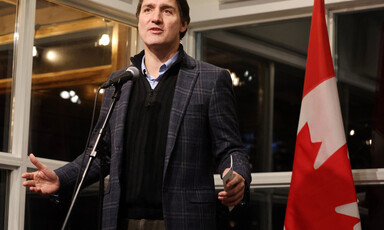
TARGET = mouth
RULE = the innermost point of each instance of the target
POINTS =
(156, 30)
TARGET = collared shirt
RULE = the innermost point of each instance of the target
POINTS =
(163, 68)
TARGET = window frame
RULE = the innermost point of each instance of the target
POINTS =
(16, 160)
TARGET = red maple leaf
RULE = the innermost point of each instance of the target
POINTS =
(315, 193)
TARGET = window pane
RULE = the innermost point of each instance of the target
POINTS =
(42, 213)
(289, 82)
(74, 52)
(7, 25)
(251, 89)
(4, 186)
(265, 210)
(268, 85)
(360, 49)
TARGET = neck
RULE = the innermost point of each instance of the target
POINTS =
(154, 58)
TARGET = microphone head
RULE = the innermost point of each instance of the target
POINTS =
(131, 73)
(135, 72)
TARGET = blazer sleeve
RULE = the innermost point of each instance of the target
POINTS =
(224, 128)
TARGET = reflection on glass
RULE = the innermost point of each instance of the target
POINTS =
(7, 22)
(74, 52)
(360, 48)
(267, 86)
(250, 79)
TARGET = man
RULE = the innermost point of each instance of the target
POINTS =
(167, 133)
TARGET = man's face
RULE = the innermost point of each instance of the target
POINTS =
(160, 23)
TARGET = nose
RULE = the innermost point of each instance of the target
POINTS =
(157, 17)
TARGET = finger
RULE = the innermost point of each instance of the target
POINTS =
(233, 196)
(222, 195)
(29, 183)
(236, 188)
(35, 162)
(34, 189)
(235, 180)
(230, 191)
(27, 175)
(233, 200)
(230, 196)
(234, 203)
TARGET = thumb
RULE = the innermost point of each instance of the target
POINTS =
(34, 161)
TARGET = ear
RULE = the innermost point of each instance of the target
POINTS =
(183, 27)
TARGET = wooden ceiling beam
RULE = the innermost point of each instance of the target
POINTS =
(61, 20)
(92, 75)
(13, 2)
(55, 30)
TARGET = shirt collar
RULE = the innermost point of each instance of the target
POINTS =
(163, 68)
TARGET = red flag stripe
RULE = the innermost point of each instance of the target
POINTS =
(319, 61)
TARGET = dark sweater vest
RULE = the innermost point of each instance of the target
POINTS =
(146, 135)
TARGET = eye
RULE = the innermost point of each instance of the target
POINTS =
(167, 11)
(146, 10)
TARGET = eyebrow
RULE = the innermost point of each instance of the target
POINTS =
(162, 6)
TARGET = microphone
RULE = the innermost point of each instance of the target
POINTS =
(131, 73)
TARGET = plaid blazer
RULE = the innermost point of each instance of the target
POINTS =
(203, 129)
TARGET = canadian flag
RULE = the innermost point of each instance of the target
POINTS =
(322, 194)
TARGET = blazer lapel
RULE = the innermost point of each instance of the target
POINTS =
(186, 81)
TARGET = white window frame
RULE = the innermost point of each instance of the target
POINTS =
(17, 162)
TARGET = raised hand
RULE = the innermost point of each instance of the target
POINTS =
(43, 181)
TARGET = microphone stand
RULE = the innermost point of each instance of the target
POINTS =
(115, 97)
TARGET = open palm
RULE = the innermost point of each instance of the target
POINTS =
(43, 181)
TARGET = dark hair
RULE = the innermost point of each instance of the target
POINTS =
(183, 9)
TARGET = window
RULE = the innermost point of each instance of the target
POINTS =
(360, 42)
(74, 52)
(267, 63)
(268, 60)
(7, 21)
